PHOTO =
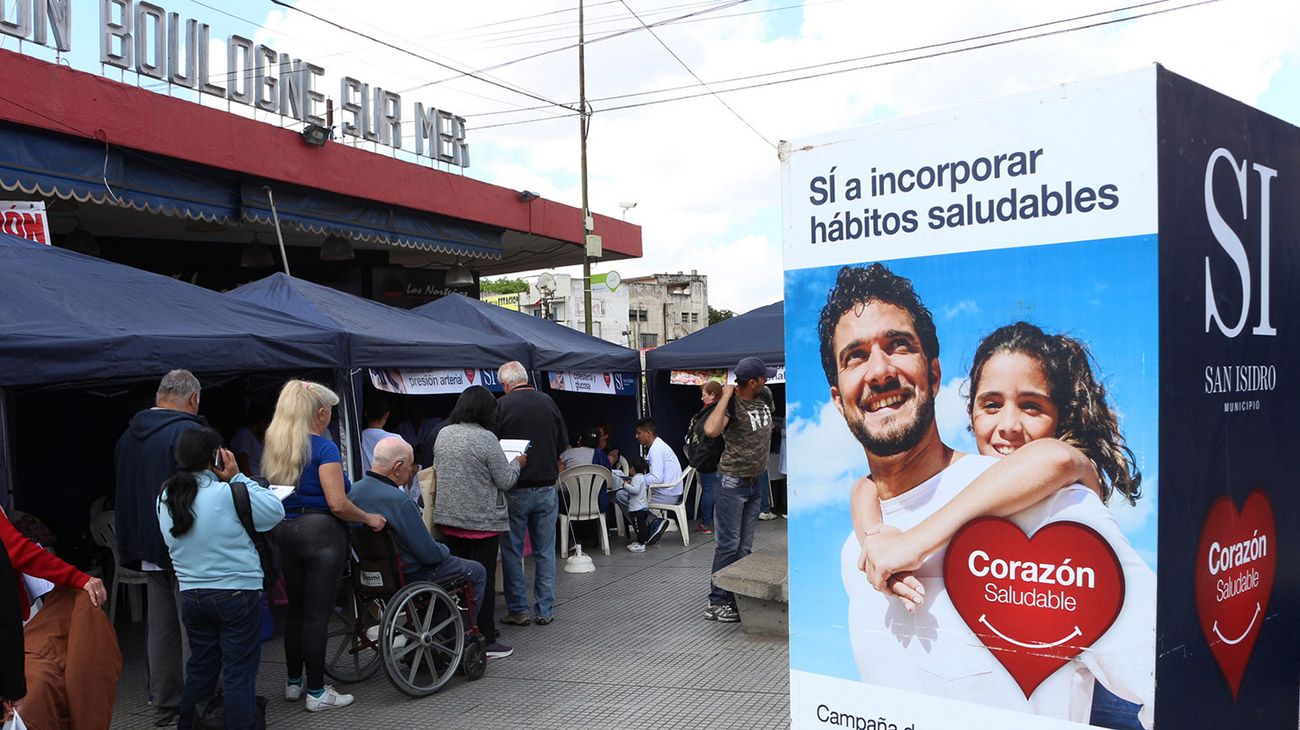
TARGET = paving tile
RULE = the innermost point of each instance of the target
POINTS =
(629, 648)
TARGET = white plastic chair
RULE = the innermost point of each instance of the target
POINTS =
(688, 481)
(580, 488)
(103, 529)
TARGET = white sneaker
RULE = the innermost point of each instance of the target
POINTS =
(636, 547)
(293, 692)
(766, 516)
(330, 700)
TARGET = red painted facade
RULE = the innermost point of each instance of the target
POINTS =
(61, 99)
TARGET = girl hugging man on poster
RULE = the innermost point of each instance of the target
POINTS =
(1050, 452)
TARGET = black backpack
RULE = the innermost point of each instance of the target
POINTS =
(702, 452)
(267, 551)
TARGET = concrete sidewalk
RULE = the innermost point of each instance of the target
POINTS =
(629, 649)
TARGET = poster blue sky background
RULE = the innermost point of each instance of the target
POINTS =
(1101, 292)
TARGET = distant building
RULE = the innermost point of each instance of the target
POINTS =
(644, 312)
(666, 307)
(563, 304)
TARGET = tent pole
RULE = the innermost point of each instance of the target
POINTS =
(347, 421)
(275, 216)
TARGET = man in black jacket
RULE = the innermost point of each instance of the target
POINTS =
(525, 413)
(145, 458)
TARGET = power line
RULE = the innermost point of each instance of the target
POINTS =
(616, 34)
(696, 76)
(865, 66)
(550, 28)
(472, 74)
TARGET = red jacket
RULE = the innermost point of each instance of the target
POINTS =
(36, 561)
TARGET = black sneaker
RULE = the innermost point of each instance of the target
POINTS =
(499, 651)
(727, 615)
(657, 531)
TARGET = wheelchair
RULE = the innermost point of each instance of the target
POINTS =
(420, 632)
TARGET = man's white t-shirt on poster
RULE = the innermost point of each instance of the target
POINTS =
(934, 652)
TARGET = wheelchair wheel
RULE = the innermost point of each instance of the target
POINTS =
(474, 661)
(351, 641)
(421, 638)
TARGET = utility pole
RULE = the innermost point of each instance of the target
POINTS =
(587, 223)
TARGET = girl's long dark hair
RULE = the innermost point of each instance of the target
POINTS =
(194, 450)
(1085, 420)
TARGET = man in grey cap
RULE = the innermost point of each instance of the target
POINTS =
(743, 417)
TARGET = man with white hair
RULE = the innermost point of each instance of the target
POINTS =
(525, 413)
(144, 459)
(379, 492)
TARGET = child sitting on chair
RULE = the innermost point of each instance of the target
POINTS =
(634, 496)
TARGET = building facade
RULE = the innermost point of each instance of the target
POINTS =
(666, 307)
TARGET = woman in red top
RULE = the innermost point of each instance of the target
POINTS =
(32, 559)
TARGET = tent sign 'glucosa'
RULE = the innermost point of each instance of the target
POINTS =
(145, 38)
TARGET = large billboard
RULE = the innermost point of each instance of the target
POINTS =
(1009, 465)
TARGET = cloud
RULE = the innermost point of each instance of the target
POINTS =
(708, 189)
(953, 418)
(966, 306)
(826, 459)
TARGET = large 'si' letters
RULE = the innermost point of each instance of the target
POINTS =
(1231, 243)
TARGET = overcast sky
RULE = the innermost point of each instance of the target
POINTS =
(706, 186)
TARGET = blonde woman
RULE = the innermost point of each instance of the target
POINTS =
(313, 538)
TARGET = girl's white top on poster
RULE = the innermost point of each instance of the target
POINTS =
(934, 652)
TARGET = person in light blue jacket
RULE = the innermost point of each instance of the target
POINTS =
(218, 572)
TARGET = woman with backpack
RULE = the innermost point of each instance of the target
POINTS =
(219, 573)
(703, 453)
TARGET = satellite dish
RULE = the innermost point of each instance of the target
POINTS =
(546, 283)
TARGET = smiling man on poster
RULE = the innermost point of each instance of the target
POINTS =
(880, 354)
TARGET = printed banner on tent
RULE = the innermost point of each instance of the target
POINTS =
(700, 377)
(605, 383)
(410, 381)
(25, 219)
(964, 291)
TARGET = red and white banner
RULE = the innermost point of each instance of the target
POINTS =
(25, 219)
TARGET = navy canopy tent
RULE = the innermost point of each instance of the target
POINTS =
(552, 347)
(67, 318)
(70, 320)
(378, 335)
(758, 333)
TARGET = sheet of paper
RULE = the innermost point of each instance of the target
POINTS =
(514, 447)
(281, 491)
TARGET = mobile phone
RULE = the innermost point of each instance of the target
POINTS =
(216, 459)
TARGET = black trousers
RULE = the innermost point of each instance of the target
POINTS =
(482, 550)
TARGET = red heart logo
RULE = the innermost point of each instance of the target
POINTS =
(470, 374)
(606, 380)
(1035, 603)
(1235, 563)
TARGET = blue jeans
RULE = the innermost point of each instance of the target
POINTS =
(451, 569)
(536, 511)
(224, 629)
(1112, 711)
(708, 484)
(735, 513)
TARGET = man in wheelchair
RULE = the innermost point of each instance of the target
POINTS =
(423, 558)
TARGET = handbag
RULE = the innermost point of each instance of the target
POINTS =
(211, 715)
(268, 552)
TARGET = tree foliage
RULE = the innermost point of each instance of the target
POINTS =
(717, 315)
(503, 286)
